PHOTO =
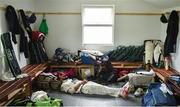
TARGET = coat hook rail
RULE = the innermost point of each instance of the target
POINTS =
(78, 13)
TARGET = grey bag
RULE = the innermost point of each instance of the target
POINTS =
(140, 79)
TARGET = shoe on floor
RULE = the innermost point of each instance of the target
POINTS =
(139, 92)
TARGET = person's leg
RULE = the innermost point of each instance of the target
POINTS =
(125, 90)
(98, 89)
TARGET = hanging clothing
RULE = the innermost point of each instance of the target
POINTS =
(24, 38)
(12, 21)
(26, 23)
(172, 32)
(10, 55)
(43, 26)
(39, 49)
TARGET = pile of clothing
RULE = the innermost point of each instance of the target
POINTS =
(159, 94)
(53, 79)
(64, 56)
(176, 78)
(127, 53)
(92, 57)
(37, 99)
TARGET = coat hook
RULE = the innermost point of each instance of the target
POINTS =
(44, 15)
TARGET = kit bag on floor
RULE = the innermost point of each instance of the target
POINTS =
(26, 101)
(47, 82)
(156, 96)
(10, 55)
(50, 102)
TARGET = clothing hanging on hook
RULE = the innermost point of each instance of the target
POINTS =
(172, 33)
(43, 26)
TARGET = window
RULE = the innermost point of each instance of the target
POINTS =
(98, 24)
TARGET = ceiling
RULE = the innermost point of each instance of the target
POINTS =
(164, 3)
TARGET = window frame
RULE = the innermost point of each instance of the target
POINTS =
(97, 25)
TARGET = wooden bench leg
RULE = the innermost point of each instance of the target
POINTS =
(28, 88)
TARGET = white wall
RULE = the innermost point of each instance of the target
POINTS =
(23, 4)
(20, 4)
(175, 56)
(65, 30)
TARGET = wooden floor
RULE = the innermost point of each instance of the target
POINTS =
(82, 100)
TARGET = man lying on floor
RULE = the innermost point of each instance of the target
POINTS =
(88, 87)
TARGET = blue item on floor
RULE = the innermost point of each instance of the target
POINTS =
(156, 97)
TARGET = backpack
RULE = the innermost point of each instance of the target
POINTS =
(107, 74)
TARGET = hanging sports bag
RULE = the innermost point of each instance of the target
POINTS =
(10, 55)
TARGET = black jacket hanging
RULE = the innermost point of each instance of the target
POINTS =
(26, 23)
(172, 32)
(23, 38)
(12, 21)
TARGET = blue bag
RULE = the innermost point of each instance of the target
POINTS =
(155, 97)
(87, 59)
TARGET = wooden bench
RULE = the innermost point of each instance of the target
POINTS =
(126, 64)
(34, 70)
(23, 86)
(164, 76)
(9, 90)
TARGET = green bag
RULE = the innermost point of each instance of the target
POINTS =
(43, 26)
(56, 102)
(50, 102)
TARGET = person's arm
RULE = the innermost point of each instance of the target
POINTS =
(73, 89)
(122, 78)
(76, 87)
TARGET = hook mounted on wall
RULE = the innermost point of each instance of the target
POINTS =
(44, 15)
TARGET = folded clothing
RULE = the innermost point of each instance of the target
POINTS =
(176, 78)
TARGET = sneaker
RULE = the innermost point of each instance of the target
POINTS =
(139, 92)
